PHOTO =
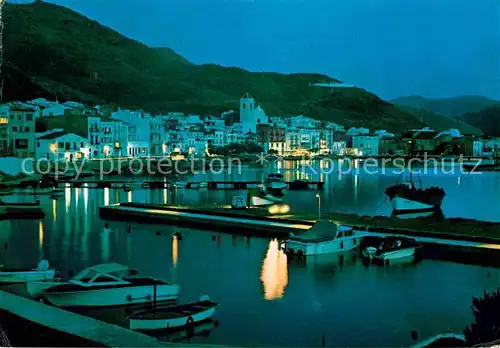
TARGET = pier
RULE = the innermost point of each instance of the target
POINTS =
(242, 221)
(211, 185)
(83, 329)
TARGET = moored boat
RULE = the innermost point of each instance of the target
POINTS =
(22, 275)
(275, 183)
(173, 316)
(109, 285)
(323, 238)
(391, 248)
(37, 288)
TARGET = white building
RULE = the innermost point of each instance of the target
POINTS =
(302, 121)
(55, 110)
(251, 114)
(357, 131)
(56, 146)
(366, 145)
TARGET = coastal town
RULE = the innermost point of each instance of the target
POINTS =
(53, 130)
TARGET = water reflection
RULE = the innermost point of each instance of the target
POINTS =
(67, 195)
(40, 237)
(274, 274)
(175, 250)
(86, 199)
(54, 209)
(129, 196)
(106, 196)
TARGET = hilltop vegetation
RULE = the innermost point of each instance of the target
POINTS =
(488, 120)
(53, 51)
(451, 107)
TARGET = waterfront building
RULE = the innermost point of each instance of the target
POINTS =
(271, 138)
(335, 127)
(292, 142)
(391, 145)
(59, 145)
(4, 130)
(425, 141)
(366, 145)
(251, 114)
(21, 129)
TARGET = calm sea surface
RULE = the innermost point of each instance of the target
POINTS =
(264, 298)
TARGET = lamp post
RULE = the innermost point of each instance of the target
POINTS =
(319, 206)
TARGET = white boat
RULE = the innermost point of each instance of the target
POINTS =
(264, 200)
(109, 285)
(199, 185)
(37, 288)
(180, 184)
(42, 271)
(392, 248)
(323, 238)
(173, 316)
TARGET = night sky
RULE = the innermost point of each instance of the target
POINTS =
(434, 48)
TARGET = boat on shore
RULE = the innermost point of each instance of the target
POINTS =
(391, 248)
(173, 316)
(323, 238)
(22, 275)
(109, 284)
(37, 288)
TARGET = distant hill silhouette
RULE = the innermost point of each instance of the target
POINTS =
(488, 120)
(449, 106)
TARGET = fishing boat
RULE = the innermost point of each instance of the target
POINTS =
(391, 248)
(109, 284)
(323, 238)
(406, 198)
(275, 183)
(174, 316)
(22, 275)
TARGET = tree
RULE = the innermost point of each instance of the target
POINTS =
(486, 325)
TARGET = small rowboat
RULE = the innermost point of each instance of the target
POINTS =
(43, 271)
(169, 317)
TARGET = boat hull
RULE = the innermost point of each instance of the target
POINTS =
(120, 296)
(325, 247)
(404, 205)
(26, 276)
(396, 254)
(170, 323)
(37, 288)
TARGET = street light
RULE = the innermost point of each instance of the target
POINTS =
(319, 206)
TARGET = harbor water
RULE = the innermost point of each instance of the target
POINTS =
(265, 298)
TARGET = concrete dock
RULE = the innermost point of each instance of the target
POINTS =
(202, 219)
(95, 332)
(244, 222)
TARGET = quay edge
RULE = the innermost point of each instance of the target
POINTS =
(247, 221)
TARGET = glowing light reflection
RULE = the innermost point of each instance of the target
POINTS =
(67, 194)
(274, 275)
(85, 198)
(106, 196)
(40, 234)
(165, 196)
(175, 251)
(54, 209)
(129, 196)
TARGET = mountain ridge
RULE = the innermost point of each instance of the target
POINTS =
(52, 51)
(452, 107)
